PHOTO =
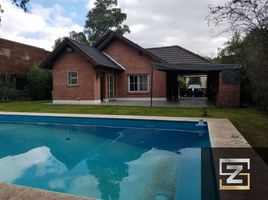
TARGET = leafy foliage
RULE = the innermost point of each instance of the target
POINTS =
(240, 15)
(8, 90)
(248, 20)
(78, 36)
(39, 83)
(232, 52)
(256, 65)
(104, 16)
(251, 51)
(19, 3)
(6, 84)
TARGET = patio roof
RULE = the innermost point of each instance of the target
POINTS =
(188, 67)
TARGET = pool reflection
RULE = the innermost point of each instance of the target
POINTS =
(95, 161)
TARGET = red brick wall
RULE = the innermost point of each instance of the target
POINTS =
(135, 63)
(228, 95)
(13, 57)
(88, 87)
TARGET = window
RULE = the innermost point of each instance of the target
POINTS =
(26, 57)
(5, 52)
(138, 83)
(72, 78)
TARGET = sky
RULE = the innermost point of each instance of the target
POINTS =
(152, 23)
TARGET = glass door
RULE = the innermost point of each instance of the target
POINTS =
(110, 86)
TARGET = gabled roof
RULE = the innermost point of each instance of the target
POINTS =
(91, 54)
(177, 54)
(110, 35)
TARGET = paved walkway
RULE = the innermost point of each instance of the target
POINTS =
(187, 102)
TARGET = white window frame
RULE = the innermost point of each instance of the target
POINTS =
(138, 83)
(69, 78)
(109, 86)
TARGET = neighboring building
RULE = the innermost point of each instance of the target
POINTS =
(16, 58)
(115, 68)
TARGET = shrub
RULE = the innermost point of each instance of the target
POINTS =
(17, 95)
(39, 84)
(6, 84)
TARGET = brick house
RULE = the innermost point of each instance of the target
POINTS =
(17, 58)
(115, 68)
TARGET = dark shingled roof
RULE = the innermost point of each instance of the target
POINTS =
(186, 67)
(177, 54)
(91, 54)
(96, 55)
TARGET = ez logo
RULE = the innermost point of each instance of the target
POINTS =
(233, 177)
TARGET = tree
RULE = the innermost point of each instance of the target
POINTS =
(249, 18)
(251, 52)
(39, 83)
(234, 52)
(256, 65)
(57, 42)
(240, 15)
(6, 84)
(78, 36)
(19, 3)
(104, 16)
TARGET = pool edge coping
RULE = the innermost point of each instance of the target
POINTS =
(228, 137)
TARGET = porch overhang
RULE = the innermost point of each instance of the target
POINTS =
(194, 68)
(225, 73)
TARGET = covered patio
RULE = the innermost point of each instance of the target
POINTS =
(223, 84)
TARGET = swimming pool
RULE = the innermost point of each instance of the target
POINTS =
(103, 158)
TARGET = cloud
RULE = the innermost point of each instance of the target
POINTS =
(90, 4)
(152, 23)
(41, 27)
(171, 22)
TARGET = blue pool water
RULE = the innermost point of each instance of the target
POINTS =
(109, 159)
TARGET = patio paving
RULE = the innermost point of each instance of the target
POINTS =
(187, 102)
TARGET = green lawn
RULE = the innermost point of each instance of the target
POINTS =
(252, 123)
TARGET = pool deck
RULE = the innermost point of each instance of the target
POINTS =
(15, 192)
(222, 133)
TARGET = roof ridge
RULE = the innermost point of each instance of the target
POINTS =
(182, 48)
(75, 43)
(100, 40)
(20, 43)
(91, 54)
(110, 34)
(162, 47)
(86, 45)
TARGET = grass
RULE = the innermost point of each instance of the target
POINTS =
(252, 123)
